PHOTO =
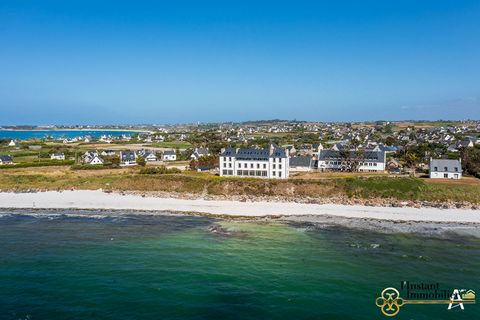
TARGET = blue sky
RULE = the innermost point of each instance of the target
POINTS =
(103, 62)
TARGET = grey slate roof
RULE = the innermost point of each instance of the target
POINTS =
(442, 163)
(169, 152)
(254, 154)
(6, 158)
(372, 156)
(301, 161)
(127, 156)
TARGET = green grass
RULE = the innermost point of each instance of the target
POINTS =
(172, 145)
(399, 188)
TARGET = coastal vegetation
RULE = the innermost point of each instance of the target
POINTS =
(318, 188)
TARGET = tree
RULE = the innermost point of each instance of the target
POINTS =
(141, 161)
(210, 162)
(351, 160)
(389, 141)
(471, 160)
(411, 160)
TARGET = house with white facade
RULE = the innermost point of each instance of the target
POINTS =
(351, 160)
(12, 143)
(169, 155)
(148, 155)
(6, 160)
(445, 169)
(57, 156)
(301, 163)
(270, 163)
(128, 158)
(107, 153)
(200, 152)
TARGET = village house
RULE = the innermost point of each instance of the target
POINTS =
(6, 160)
(301, 163)
(199, 152)
(261, 163)
(351, 160)
(12, 143)
(445, 169)
(95, 160)
(57, 156)
(107, 153)
(169, 155)
(128, 158)
(148, 155)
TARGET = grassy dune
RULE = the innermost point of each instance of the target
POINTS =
(376, 187)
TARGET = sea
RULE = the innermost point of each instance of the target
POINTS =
(125, 265)
(60, 134)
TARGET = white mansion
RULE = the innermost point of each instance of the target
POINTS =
(261, 163)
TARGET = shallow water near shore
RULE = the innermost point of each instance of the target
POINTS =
(180, 267)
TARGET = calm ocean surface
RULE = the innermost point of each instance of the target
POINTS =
(173, 267)
(57, 134)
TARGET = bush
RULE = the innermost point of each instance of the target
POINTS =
(93, 166)
(159, 170)
(38, 164)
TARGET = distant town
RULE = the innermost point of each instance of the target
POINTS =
(264, 149)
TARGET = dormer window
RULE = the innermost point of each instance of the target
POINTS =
(446, 168)
(435, 168)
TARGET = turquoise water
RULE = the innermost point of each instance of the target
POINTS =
(58, 134)
(173, 267)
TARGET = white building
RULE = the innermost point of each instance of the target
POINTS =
(57, 156)
(128, 158)
(301, 163)
(12, 143)
(363, 161)
(169, 155)
(200, 152)
(445, 169)
(261, 163)
(6, 160)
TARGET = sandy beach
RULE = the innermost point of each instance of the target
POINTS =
(97, 199)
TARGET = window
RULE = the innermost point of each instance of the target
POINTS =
(435, 168)
(258, 165)
(224, 158)
(239, 165)
(251, 165)
(224, 165)
(445, 168)
(230, 158)
(274, 166)
(280, 174)
(230, 165)
(230, 172)
(445, 175)
(279, 166)
(224, 172)
(273, 173)
(264, 166)
(456, 169)
(245, 165)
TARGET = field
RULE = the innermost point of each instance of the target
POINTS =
(314, 187)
